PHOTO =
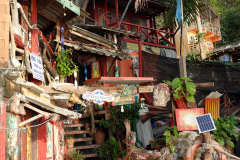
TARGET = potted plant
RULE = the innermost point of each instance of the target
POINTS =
(75, 155)
(65, 65)
(183, 91)
(70, 141)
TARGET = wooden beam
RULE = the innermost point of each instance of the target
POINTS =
(30, 120)
(37, 110)
(45, 4)
(208, 84)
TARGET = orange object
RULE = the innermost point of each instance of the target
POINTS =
(212, 106)
(192, 149)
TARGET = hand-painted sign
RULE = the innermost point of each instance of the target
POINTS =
(98, 96)
(37, 67)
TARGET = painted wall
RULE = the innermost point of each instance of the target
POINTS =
(2, 131)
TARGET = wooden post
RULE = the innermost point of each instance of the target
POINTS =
(30, 120)
(207, 139)
(201, 39)
(116, 10)
(182, 62)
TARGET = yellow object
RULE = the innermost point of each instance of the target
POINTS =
(212, 106)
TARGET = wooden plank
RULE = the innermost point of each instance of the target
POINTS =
(30, 120)
(207, 84)
(36, 110)
(90, 39)
(54, 108)
(76, 132)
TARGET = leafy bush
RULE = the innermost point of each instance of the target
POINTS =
(171, 131)
(181, 86)
(117, 118)
(110, 150)
(225, 130)
(77, 156)
(65, 65)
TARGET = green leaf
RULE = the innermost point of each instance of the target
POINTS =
(171, 148)
(190, 98)
(191, 88)
(168, 139)
(221, 141)
(167, 133)
(176, 82)
(186, 79)
(230, 143)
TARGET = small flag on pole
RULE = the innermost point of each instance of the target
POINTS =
(179, 12)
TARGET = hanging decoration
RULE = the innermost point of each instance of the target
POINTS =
(85, 71)
(62, 40)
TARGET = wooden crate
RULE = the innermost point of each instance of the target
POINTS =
(212, 106)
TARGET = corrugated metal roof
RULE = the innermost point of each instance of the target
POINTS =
(110, 30)
(96, 50)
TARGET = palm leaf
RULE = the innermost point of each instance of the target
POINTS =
(190, 9)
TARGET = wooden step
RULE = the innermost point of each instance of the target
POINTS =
(73, 125)
(76, 132)
(90, 155)
(87, 146)
(83, 139)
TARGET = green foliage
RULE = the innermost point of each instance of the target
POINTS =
(117, 118)
(168, 134)
(200, 35)
(77, 156)
(190, 8)
(225, 133)
(110, 150)
(192, 57)
(65, 66)
(181, 86)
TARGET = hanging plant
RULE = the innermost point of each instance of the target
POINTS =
(65, 66)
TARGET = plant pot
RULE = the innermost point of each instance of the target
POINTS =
(99, 136)
(181, 103)
(70, 142)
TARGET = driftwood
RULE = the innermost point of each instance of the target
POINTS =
(48, 65)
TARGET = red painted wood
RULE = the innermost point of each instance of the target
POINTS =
(150, 101)
(34, 34)
(106, 17)
(116, 10)
(147, 35)
(3, 132)
(24, 142)
(42, 140)
(139, 53)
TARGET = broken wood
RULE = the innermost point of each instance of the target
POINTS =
(36, 110)
(161, 113)
(30, 120)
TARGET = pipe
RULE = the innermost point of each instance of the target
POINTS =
(124, 13)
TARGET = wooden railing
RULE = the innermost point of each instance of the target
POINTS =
(149, 36)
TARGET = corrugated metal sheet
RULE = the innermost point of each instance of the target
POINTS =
(100, 51)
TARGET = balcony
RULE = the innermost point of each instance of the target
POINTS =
(148, 36)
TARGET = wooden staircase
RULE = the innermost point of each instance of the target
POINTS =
(82, 140)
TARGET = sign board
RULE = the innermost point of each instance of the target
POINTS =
(205, 123)
(37, 67)
(186, 118)
(98, 96)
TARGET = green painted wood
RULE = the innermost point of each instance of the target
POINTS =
(74, 7)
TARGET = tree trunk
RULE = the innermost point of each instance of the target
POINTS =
(201, 39)
(207, 139)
